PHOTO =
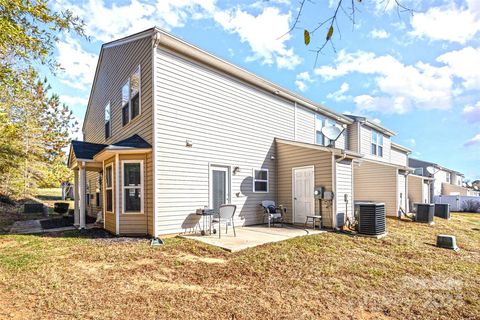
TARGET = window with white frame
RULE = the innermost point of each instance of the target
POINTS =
(319, 121)
(131, 97)
(132, 186)
(377, 143)
(260, 180)
(448, 177)
(108, 128)
(109, 188)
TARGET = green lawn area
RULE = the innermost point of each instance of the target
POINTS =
(403, 276)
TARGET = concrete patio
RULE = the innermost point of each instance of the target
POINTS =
(252, 236)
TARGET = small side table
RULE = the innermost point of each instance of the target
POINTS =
(207, 215)
(314, 219)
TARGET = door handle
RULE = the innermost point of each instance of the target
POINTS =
(295, 198)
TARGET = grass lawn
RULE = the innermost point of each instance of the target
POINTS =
(403, 276)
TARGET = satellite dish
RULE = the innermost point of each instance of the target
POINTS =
(475, 187)
(431, 170)
(332, 132)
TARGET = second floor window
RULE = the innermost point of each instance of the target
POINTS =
(108, 128)
(448, 177)
(131, 97)
(377, 143)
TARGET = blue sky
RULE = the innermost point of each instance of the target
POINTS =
(418, 75)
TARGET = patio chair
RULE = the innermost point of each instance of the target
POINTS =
(225, 215)
(272, 212)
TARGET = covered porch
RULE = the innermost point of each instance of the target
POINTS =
(110, 180)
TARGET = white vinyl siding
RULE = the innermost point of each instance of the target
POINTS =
(366, 145)
(402, 194)
(229, 123)
(344, 186)
(398, 157)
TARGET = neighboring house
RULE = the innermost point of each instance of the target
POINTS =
(381, 175)
(170, 128)
(446, 181)
(419, 189)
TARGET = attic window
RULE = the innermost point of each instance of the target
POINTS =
(131, 97)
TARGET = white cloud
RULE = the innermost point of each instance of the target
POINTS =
(474, 141)
(303, 80)
(449, 23)
(464, 64)
(472, 113)
(379, 34)
(340, 94)
(77, 65)
(400, 87)
(262, 34)
(72, 101)
(376, 120)
(412, 142)
(108, 22)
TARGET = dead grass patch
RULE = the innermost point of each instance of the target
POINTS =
(325, 276)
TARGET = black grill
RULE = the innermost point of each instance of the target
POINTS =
(425, 212)
(442, 210)
(371, 218)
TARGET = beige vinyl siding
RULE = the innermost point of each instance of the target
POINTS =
(366, 145)
(135, 224)
(305, 125)
(451, 189)
(229, 123)
(116, 66)
(415, 190)
(289, 157)
(402, 190)
(398, 157)
(344, 186)
(376, 182)
(342, 140)
(110, 218)
(93, 187)
(352, 134)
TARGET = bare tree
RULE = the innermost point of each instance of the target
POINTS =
(348, 8)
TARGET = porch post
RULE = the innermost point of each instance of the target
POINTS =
(81, 198)
(76, 215)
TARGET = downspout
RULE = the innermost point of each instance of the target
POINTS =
(155, 43)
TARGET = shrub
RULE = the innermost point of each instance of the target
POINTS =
(471, 206)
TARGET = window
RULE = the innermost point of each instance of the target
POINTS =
(260, 180)
(108, 189)
(377, 144)
(88, 199)
(97, 199)
(418, 171)
(131, 97)
(319, 138)
(448, 177)
(132, 186)
(108, 129)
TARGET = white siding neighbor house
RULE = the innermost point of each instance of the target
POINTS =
(170, 128)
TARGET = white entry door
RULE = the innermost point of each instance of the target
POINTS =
(219, 188)
(303, 198)
(426, 193)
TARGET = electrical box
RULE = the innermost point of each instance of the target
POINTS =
(318, 193)
(328, 195)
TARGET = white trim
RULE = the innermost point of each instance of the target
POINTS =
(104, 195)
(295, 118)
(154, 140)
(228, 182)
(293, 188)
(128, 39)
(334, 190)
(260, 180)
(141, 187)
(108, 188)
(109, 120)
(117, 194)
(82, 193)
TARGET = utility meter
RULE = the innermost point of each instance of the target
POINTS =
(318, 193)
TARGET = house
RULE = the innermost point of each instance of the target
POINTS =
(381, 175)
(170, 128)
(445, 181)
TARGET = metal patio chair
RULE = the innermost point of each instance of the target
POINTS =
(225, 215)
(272, 212)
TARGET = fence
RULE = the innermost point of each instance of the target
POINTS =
(458, 203)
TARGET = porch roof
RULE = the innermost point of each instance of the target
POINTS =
(87, 151)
